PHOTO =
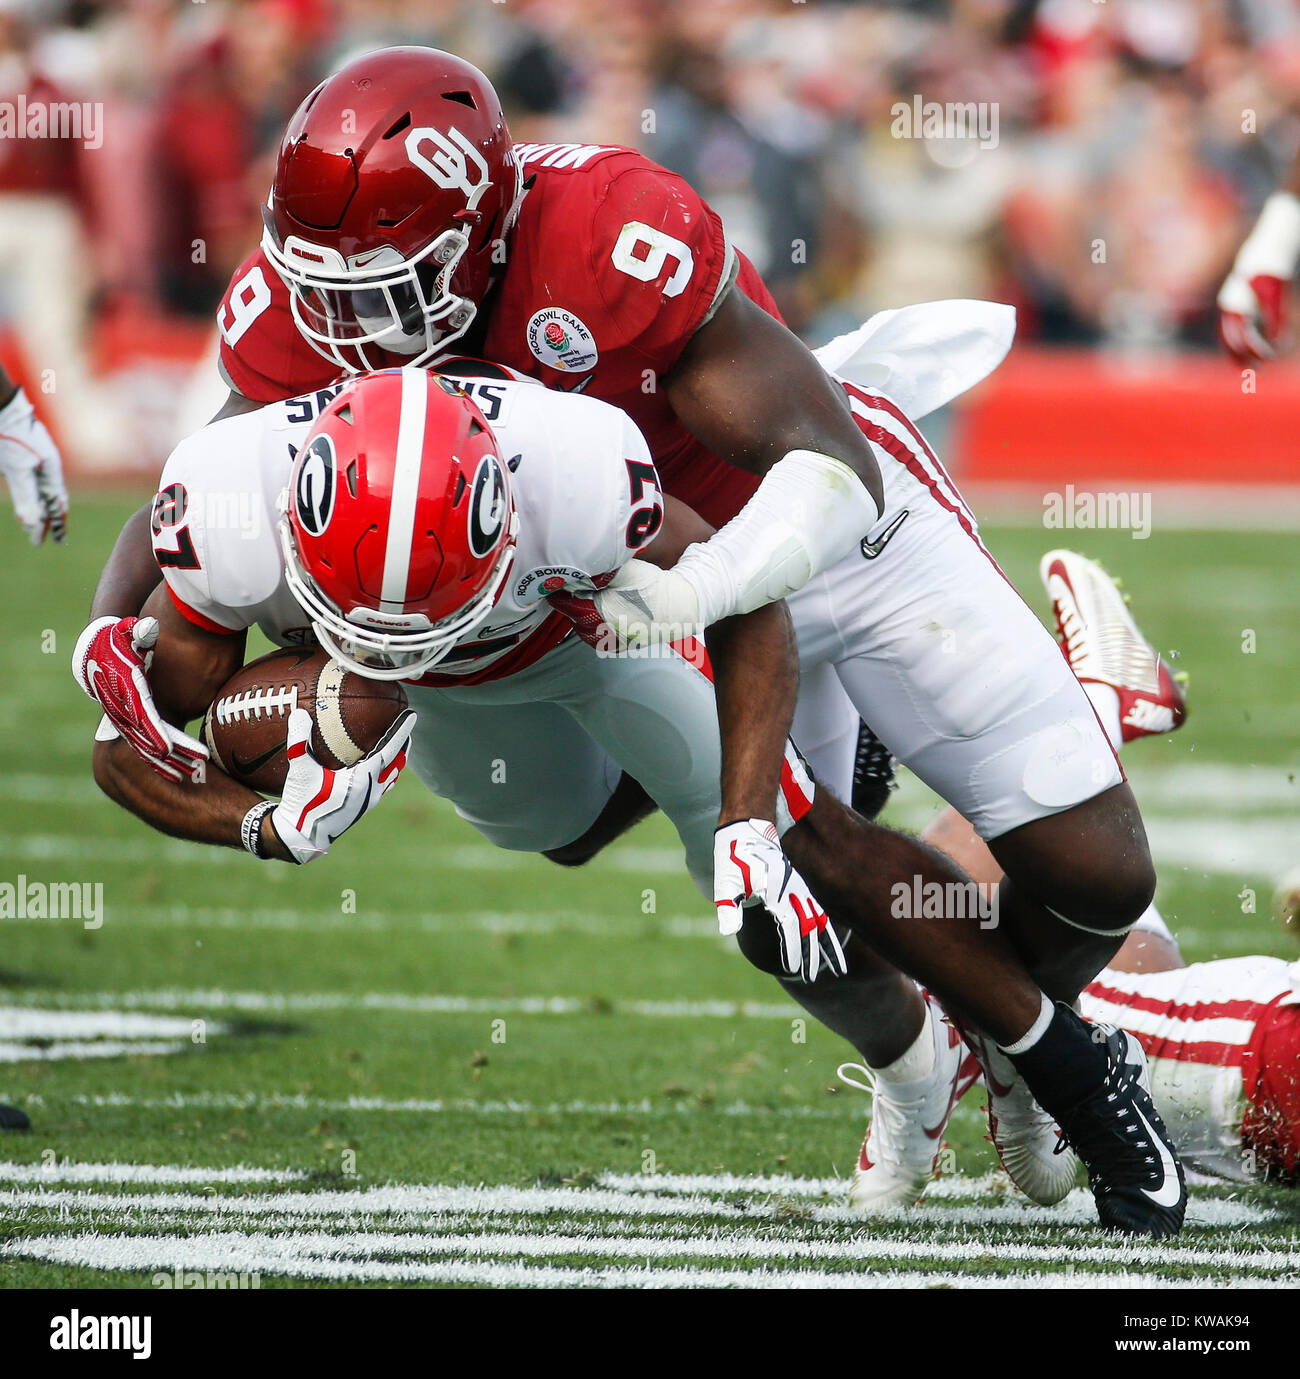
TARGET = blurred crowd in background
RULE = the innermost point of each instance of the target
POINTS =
(1135, 141)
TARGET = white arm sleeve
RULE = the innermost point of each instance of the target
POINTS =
(807, 514)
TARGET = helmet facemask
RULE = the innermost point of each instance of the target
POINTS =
(405, 307)
(388, 646)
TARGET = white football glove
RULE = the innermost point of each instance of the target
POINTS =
(30, 462)
(749, 869)
(111, 661)
(1253, 299)
(317, 804)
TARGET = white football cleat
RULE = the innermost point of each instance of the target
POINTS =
(1104, 645)
(1028, 1141)
(900, 1154)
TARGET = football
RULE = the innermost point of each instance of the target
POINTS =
(246, 727)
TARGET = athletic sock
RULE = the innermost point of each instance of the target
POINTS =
(916, 1062)
(1105, 700)
(1035, 1031)
(1063, 1065)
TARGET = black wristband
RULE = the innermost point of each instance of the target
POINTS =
(250, 831)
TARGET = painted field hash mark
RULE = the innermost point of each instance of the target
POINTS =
(661, 1231)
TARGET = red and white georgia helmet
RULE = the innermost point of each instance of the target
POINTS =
(395, 183)
(398, 525)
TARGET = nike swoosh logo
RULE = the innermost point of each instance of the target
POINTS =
(952, 1101)
(1170, 1192)
(871, 549)
(246, 768)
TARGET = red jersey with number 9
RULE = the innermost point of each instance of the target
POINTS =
(614, 264)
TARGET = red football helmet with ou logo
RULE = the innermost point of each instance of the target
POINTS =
(395, 182)
(398, 526)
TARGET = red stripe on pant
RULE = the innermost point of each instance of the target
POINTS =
(1192, 1010)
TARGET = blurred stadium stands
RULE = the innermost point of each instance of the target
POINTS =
(1135, 141)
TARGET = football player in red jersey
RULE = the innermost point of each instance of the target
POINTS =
(402, 223)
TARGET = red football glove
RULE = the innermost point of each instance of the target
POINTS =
(110, 663)
(1251, 334)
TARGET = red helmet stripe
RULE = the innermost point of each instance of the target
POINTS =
(406, 489)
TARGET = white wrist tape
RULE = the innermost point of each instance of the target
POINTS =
(1272, 248)
(807, 514)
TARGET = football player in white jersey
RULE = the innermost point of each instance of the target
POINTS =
(1222, 1041)
(417, 554)
(488, 523)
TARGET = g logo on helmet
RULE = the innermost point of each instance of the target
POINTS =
(487, 506)
(313, 491)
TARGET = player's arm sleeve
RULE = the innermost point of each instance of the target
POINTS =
(660, 261)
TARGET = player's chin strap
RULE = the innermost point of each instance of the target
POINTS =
(809, 512)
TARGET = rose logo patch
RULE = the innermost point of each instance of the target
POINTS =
(561, 340)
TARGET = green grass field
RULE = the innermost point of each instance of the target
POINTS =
(422, 1060)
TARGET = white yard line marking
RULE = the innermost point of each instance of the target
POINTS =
(1077, 1207)
(98, 1048)
(25, 1023)
(633, 925)
(316, 1255)
(1187, 788)
(68, 847)
(1205, 845)
(237, 1254)
(1201, 845)
(33, 1036)
(287, 1101)
(141, 1173)
(410, 1003)
(424, 1200)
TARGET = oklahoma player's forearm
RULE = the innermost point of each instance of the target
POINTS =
(754, 394)
(752, 391)
(207, 813)
(755, 681)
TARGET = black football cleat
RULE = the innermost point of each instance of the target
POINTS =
(11, 1118)
(1134, 1171)
(873, 773)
